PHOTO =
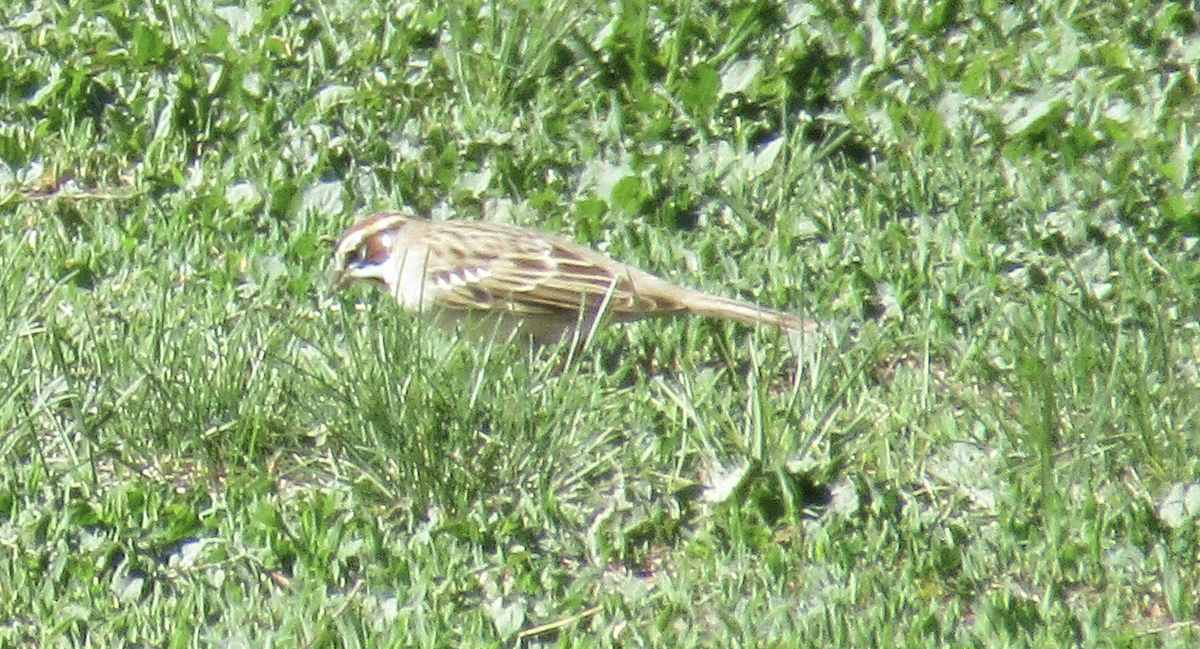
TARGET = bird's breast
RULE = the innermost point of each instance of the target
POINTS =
(409, 281)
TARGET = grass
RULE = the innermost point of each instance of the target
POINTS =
(995, 209)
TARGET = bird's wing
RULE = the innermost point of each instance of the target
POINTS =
(493, 267)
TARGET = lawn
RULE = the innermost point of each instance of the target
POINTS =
(992, 211)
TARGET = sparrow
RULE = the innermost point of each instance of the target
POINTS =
(518, 281)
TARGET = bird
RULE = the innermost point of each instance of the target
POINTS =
(516, 281)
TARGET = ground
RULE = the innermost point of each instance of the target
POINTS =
(991, 210)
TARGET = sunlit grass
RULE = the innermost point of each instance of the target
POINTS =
(988, 214)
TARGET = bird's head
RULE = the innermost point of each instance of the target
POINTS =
(364, 252)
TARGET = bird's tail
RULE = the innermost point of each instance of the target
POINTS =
(715, 306)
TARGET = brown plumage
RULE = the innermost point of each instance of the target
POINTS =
(517, 280)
